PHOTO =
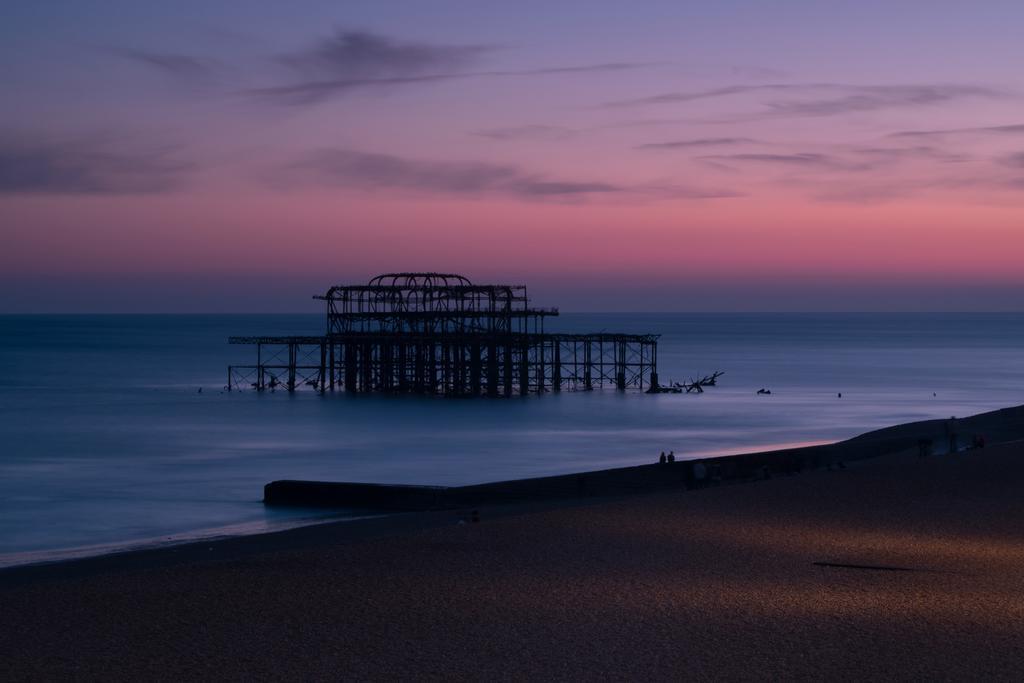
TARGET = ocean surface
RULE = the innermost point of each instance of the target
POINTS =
(107, 443)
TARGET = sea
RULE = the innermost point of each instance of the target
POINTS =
(116, 432)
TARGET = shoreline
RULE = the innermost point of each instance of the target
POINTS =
(522, 496)
(893, 567)
(318, 516)
(203, 535)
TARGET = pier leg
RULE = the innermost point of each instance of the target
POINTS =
(323, 367)
(524, 370)
(541, 350)
(403, 366)
(588, 379)
(508, 369)
(332, 367)
(437, 353)
(447, 385)
(366, 360)
(387, 367)
(620, 367)
(492, 369)
(474, 369)
(654, 366)
(259, 367)
(292, 361)
(556, 368)
(350, 367)
(419, 384)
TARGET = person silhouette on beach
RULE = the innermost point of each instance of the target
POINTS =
(661, 460)
(671, 456)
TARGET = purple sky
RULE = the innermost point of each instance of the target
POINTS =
(229, 156)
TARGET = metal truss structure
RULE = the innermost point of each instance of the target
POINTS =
(436, 333)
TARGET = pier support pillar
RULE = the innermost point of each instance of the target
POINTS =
(508, 369)
(259, 367)
(332, 367)
(588, 380)
(350, 367)
(556, 367)
(492, 369)
(292, 361)
(524, 370)
(474, 369)
(323, 367)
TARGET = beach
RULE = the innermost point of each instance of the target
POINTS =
(897, 567)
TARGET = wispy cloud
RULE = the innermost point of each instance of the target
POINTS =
(869, 175)
(983, 186)
(353, 60)
(645, 123)
(871, 98)
(366, 170)
(535, 132)
(185, 67)
(841, 99)
(85, 167)
(839, 159)
(700, 142)
(580, 69)
(358, 55)
(674, 97)
(354, 169)
(920, 152)
(356, 60)
(756, 72)
(315, 92)
(805, 160)
(1015, 160)
(865, 193)
(1010, 129)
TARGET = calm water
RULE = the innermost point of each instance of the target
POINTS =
(107, 442)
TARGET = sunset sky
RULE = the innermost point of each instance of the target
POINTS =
(740, 156)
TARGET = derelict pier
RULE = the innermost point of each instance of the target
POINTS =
(436, 333)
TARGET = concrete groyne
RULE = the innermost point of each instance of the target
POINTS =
(998, 426)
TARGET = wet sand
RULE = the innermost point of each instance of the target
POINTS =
(741, 581)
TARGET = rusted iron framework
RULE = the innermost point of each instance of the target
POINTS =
(437, 333)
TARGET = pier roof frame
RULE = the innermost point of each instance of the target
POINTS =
(431, 303)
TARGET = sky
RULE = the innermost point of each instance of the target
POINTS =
(224, 156)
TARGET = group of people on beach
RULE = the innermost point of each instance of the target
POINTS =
(696, 472)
